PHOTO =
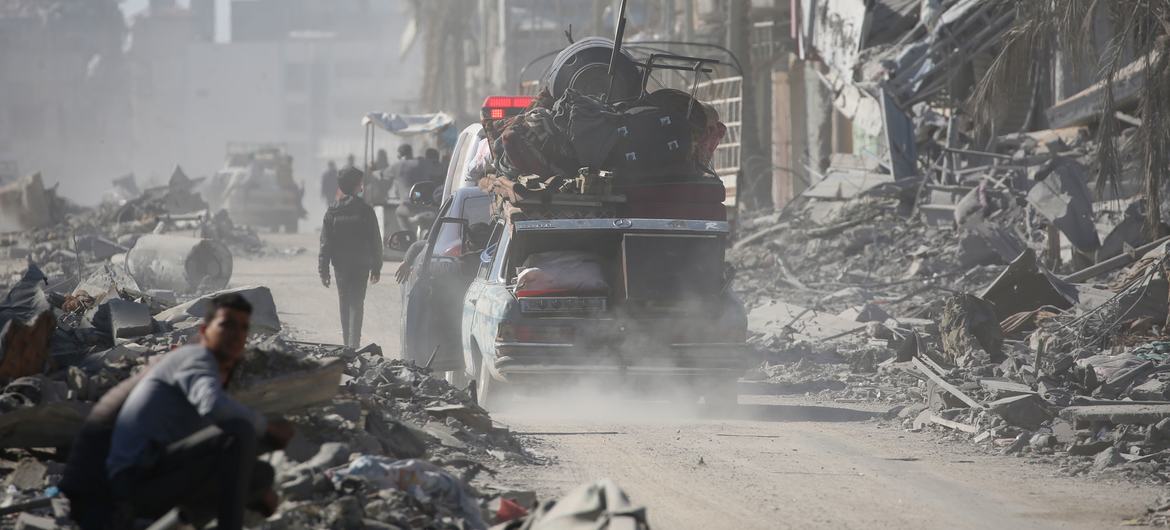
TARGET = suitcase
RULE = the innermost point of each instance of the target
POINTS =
(650, 141)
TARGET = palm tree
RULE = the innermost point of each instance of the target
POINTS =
(1044, 27)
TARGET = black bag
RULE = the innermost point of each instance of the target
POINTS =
(650, 141)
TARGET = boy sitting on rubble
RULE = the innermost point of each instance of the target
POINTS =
(172, 438)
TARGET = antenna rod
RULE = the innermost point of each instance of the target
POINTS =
(617, 49)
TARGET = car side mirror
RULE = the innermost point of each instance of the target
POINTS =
(400, 240)
(422, 194)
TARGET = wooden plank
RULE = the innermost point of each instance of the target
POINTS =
(938, 380)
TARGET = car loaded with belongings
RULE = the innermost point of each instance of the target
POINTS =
(606, 253)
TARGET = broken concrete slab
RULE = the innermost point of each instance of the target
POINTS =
(99, 247)
(264, 317)
(780, 318)
(29, 475)
(476, 418)
(124, 319)
(293, 391)
(1107, 459)
(951, 424)
(46, 425)
(397, 438)
(1153, 389)
(1137, 414)
(1122, 379)
(110, 278)
(942, 383)
(28, 521)
(1026, 411)
(1005, 388)
(1025, 286)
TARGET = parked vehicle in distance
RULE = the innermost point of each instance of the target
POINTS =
(257, 189)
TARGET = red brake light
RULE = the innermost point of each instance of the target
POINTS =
(500, 107)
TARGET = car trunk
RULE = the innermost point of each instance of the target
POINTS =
(645, 273)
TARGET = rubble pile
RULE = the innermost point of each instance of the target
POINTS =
(381, 443)
(74, 242)
(355, 453)
(984, 284)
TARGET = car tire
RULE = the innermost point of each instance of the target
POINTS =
(490, 393)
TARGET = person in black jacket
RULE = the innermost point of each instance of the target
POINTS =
(352, 242)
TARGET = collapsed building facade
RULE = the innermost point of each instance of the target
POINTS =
(988, 253)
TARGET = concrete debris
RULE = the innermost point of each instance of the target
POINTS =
(181, 264)
(390, 447)
(126, 319)
(264, 317)
(26, 205)
(1027, 411)
(970, 263)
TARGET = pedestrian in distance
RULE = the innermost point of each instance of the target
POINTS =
(352, 244)
(329, 183)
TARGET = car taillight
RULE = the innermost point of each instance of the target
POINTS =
(500, 107)
(539, 334)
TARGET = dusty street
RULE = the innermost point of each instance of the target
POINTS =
(775, 465)
(307, 307)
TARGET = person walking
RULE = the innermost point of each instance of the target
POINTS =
(329, 183)
(352, 243)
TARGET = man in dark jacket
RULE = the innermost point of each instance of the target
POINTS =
(352, 242)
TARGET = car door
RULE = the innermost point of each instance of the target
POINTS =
(419, 327)
(473, 335)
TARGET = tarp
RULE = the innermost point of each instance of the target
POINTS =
(409, 124)
(26, 326)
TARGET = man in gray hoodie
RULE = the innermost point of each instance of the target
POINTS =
(352, 243)
(180, 441)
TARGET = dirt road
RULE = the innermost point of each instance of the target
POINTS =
(308, 308)
(780, 465)
(773, 464)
